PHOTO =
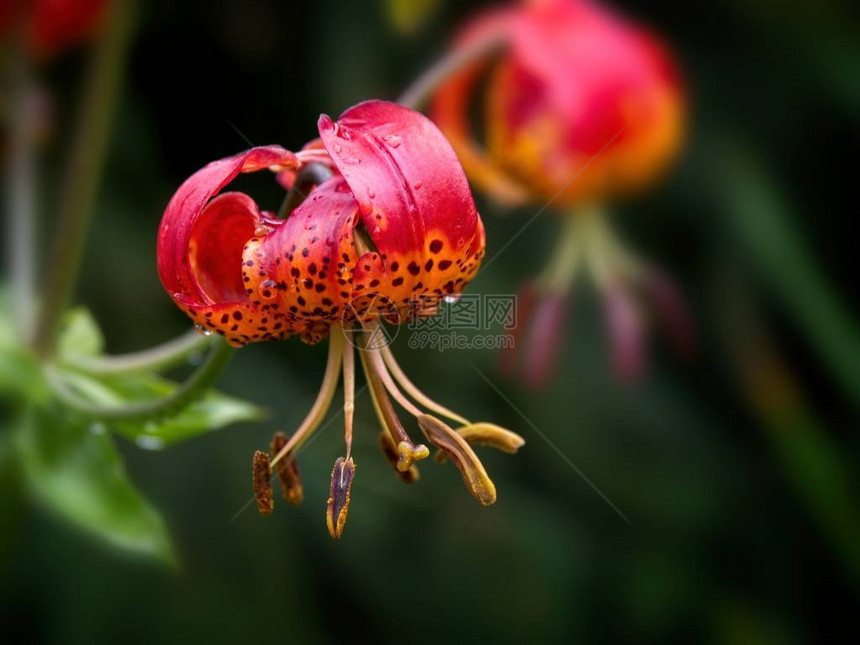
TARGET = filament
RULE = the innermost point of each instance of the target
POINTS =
(410, 388)
(348, 392)
(324, 397)
(379, 368)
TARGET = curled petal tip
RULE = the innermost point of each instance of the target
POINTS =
(325, 123)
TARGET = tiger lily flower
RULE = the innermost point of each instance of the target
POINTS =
(388, 224)
(581, 106)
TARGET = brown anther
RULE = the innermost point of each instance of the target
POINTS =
(470, 467)
(487, 434)
(338, 502)
(287, 470)
(262, 483)
(409, 476)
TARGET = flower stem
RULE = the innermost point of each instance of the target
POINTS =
(197, 385)
(161, 357)
(417, 94)
(21, 190)
(84, 169)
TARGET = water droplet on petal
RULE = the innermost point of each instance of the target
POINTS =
(202, 330)
(338, 148)
(352, 161)
(393, 140)
(453, 298)
(370, 193)
(418, 185)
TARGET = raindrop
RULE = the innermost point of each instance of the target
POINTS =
(370, 193)
(393, 140)
(352, 161)
(418, 185)
(338, 148)
(453, 299)
(149, 443)
(202, 330)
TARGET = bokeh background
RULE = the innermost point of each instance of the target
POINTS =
(736, 470)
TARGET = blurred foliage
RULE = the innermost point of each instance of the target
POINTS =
(743, 514)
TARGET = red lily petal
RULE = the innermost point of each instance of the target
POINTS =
(305, 265)
(597, 84)
(414, 200)
(201, 242)
(185, 208)
(450, 110)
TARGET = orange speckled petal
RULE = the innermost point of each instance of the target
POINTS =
(413, 197)
(305, 265)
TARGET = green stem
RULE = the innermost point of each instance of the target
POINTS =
(417, 94)
(161, 357)
(21, 190)
(197, 385)
(84, 170)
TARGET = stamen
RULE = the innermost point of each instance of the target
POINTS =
(348, 393)
(262, 483)
(288, 472)
(414, 392)
(323, 401)
(474, 475)
(376, 362)
(487, 434)
(407, 451)
(338, 502)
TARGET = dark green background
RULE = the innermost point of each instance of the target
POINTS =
(723, 545)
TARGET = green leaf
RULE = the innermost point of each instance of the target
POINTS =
(81, 335)
(20, 374)
(74, 469)
(211, 412)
